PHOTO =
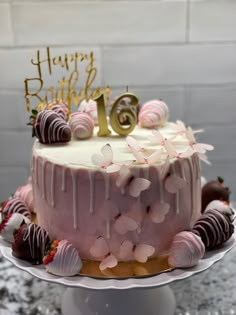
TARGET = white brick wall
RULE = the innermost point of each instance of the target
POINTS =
(183, 51)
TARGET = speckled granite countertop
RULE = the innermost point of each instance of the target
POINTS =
(212, 292)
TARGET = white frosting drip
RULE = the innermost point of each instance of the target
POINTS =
(160, 185)
(35, 170)
(146, 173)
(53, 185)
(43, 180)
(192, 185)
(63, 181)
(107, 185)
(91, 192)
(182, 172)
(75, 201)
(108, 228)
(177, 193)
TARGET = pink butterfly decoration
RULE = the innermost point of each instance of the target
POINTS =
(197, 147)
(158, 139)
(105, 160)
(124, 224)
(155, 157)
(158, 211)
(134, 144)
(173, 183)
(100, 250)
(126, 180)
(124, 177)
(173, 154)
(138, 185)
(180, 128)
(140, 252)
(109, 261)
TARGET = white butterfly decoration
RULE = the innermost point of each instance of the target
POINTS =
(198, 147)
(158, 211)
(140, 252)
(105, 160)
(180, 128)
(127, 181)
(101, 250)
(158, 139)
(173, 154)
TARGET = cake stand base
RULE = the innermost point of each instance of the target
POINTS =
(148, 301)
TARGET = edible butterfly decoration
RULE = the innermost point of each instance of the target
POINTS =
(123, 222)
(158, 139)
(101, 250)
(134, 186)
(174, 183)
(173, 154)
(131, 142)
(155, 157)
(140, 252)
(105, 160)
(158, 211)
(180, 128)
(197, 147)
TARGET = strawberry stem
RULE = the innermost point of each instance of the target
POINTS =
(220, 179)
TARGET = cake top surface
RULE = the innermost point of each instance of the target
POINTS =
(80, 154)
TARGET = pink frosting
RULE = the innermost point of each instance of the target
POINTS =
(76, 205)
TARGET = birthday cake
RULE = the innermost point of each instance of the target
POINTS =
(114, 193)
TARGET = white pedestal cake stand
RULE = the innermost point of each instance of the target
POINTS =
(139, 296)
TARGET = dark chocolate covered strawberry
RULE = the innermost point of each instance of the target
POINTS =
(214, 228)
(49, 127)
(214, 190)
(30, 243)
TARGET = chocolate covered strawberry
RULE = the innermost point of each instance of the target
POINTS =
(49, 127)
(214, 190)
(30, 243)
(10, 224)
(15, 205)
(62, 259)
(214, 227)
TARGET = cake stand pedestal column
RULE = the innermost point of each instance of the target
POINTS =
(141, 301)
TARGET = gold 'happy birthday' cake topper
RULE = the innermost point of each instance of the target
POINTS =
(68, 89)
